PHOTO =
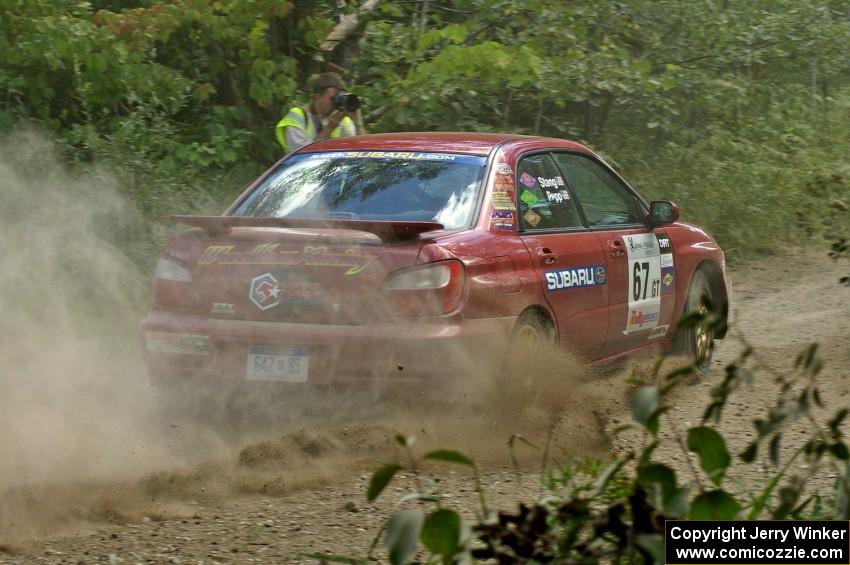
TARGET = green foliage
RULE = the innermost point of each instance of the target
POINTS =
(731, 109)
(711, 447)
(441, 534)
(402, 535)
(380, 479)
(714, 505)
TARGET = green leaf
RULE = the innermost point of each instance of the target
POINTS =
(711, 447)
(662, 475)
(714, 505)
(380, 479)
(646, 454)
(749, 454)
(653, 544)
(676, 504)
(839, 450)
(645, 405)
(774, 448)
(441, 533)
(835, 422)
(450, 456)
(402, 534)
(608, 474)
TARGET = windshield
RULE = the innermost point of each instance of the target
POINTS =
(371, 185)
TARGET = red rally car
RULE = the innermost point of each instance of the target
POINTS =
(400, 256)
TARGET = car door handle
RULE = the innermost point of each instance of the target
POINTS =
(618, 249)
(546, 255)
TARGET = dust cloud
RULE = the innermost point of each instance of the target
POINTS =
(83, 438)
(74, 399)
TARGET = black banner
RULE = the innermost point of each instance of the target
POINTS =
(742, 542)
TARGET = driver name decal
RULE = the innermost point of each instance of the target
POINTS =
(558, 197)
(577, 277)
(268, 254)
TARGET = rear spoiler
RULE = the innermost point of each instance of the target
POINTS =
(387, 231)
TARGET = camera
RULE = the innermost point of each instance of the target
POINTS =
(346, 101)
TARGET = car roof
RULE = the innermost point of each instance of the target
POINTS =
(446, 142)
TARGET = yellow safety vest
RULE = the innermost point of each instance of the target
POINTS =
(297, 117)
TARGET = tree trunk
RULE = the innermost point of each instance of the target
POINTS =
(347, 25)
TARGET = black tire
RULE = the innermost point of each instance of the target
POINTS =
(533, 337)
(697, 340)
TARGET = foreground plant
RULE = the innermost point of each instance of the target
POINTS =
(593, 514)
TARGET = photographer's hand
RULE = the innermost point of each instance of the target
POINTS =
(333, 121)
(358, 122)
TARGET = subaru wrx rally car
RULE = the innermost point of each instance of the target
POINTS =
(416, 256)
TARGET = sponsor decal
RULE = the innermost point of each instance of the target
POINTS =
(558, 197)
(658, 332)
(644, 287)
(527, 180)
(667, 278)
(528, 197)
(504, 169)
(293, 288)
(601, 274)
(223, 308)
(643, 245)
(503, 200)
(264, 291)
(503, 216)
(560, 181)
(398, 155)
(664, 243)
(504, 220)
(532, 218)
(667, 260)
(577, 277)
(639, 318)
(348, 258)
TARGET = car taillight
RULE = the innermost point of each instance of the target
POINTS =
(168, 269)
(430, 290)
(171, 287)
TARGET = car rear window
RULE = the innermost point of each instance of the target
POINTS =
(371, 185)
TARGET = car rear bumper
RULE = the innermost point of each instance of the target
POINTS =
(388, 350)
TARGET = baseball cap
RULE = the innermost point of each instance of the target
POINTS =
(324, 80)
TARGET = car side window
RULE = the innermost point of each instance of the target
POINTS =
(604, 200)
(544, 201)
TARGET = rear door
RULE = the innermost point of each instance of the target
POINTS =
(640, 261)
(568, 258)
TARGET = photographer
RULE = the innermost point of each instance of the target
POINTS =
(334, 112)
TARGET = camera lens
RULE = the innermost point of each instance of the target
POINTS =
(346, 101)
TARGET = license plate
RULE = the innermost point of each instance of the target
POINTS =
(280, 364)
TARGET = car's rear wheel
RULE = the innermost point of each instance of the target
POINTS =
(698, 338)
(532, 339)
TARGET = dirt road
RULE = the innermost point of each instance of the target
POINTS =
(300, 485)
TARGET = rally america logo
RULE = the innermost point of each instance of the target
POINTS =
(264, 292)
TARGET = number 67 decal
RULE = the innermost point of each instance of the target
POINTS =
(644, 281)
(641, 275)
